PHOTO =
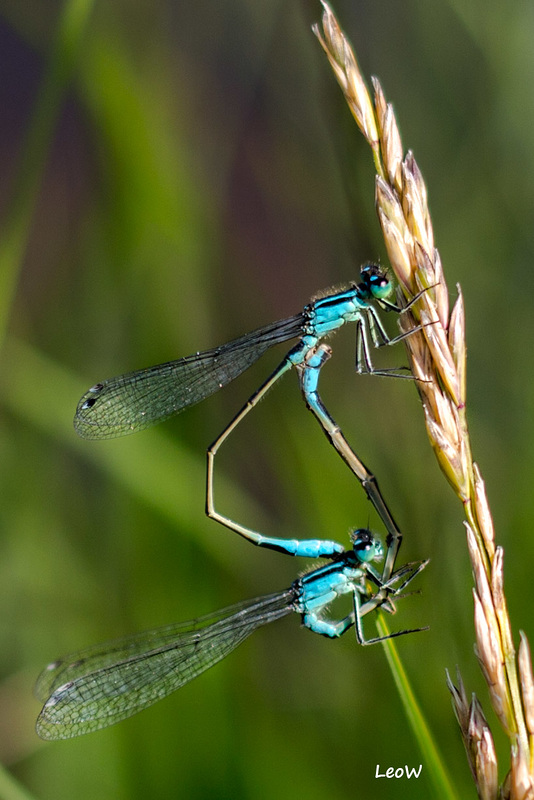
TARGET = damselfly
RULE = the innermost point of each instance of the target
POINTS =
(103, 684)
(136, 400)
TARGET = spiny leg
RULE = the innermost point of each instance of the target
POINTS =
(370, 328)
(349, 580)
(382, 599)
(358, 627)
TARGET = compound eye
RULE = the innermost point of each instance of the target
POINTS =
(375, 281)
(366, 546)
(380, 286)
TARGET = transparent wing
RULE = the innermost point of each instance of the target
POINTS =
(136, 400)
(104, 684)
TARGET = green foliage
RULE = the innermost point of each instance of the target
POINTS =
(200, 176)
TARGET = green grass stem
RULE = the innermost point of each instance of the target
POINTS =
(433, 762)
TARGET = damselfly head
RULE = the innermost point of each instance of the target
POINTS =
(375, 281)
(366, 546)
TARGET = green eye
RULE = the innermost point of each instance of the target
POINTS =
(366, 547)
(380, 285)
(375, 282)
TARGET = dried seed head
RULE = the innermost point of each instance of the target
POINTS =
(388, 202)
(380, 101)
(482, 753)
(441, 293)
(489, 645)
(347, 72)
(439, 347)
(425, 275)
(398, 239)
(527, 682)
(390, 140)
(478, 563)
(420, 360)
(456, 340)
(414, 200)
(447, 452)
(441, 417)
(477, 738)
(396, 246)
(392, 148)
(417, 177)
(520, 777)
(489, 656)
(499, 601)
(438, 360)
(459, 700)
(483, 512)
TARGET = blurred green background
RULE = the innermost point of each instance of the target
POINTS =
(181, 174)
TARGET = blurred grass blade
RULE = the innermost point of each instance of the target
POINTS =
(10, 789)
(434, 764)
(42, 393)
(34, 150)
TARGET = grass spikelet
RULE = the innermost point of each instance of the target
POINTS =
(438, 358)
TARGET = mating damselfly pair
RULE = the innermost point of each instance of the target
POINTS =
(101, 685)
